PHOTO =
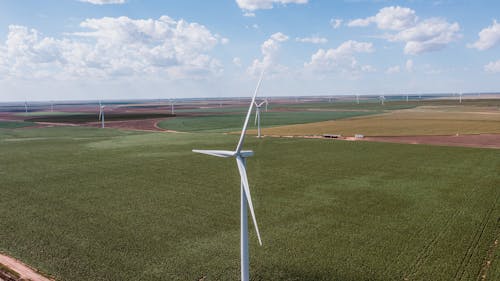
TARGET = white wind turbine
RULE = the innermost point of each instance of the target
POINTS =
(172, 109)
(382, 99)
(257, 115)
(241, 156)
(26, 106)
(460, 97)
(267, 103)
(357, 99)
(101, 114)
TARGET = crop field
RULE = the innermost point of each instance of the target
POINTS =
(424, 120)
(15, 124)
(233, 122)
(102, 204)
(93, 117)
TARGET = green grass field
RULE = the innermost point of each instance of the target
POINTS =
(233, 122)
(92, 117)
(93, 204)
(15, 124)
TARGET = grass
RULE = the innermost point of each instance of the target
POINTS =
(92, 117)
(233, 122)
(425, 120)
(15, 124)
(88, 204)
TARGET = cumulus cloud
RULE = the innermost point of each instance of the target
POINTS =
(391, 18)
(340, 59)
(493, 67)
(103, 2)
(419, 36)
(110, 47)
(237, 61)
(252, 5)
(312, 39)
(429, 35)
(270, 49)
(335, 23)
(393, 69)
(488, 37)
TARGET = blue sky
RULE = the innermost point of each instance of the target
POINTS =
(112, 49)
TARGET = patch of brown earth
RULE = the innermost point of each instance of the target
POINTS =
(24, 271)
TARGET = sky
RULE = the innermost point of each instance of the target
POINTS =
(141, 49)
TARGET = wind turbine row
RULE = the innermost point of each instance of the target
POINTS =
(241, 156)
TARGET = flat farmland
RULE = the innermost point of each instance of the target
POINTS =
(230, 122)
(103, 204)
(424, 120)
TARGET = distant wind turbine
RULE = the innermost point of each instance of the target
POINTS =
(101, 114)
(460, 97)
(241, 156)
(382, 99)
(357, 99)
(26, 106)
(257, 115)
(406, 97)
(267, 103)
(172, 109)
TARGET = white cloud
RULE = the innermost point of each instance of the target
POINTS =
(488, 37)
(429, 35)
(409, 65)
(393, 69)
(237, 61)
(249, 14)
(252, 5)
(419, 36)
(269, 49)
(391, 18)
(493, 67)
(312, 39)
(103, 2)
(341, 58)
(336, 23)
(112, 47)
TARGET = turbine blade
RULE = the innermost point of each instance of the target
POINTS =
(245, 125)
(246, 188)
(218, 153)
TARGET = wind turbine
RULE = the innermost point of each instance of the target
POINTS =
(357, 99)
(406, 97)
(460, 97)
(382, 99)
(267, 103)
(241, 156)
(26, 106)
(101, 114)
(257, 115)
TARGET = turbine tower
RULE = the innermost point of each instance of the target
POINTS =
(267, 103)
(460, 97)
(257, 116)
(101, 114)
(172, 109)
(357, 99)
(382, 99)
(241, 156)
(25, 106)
